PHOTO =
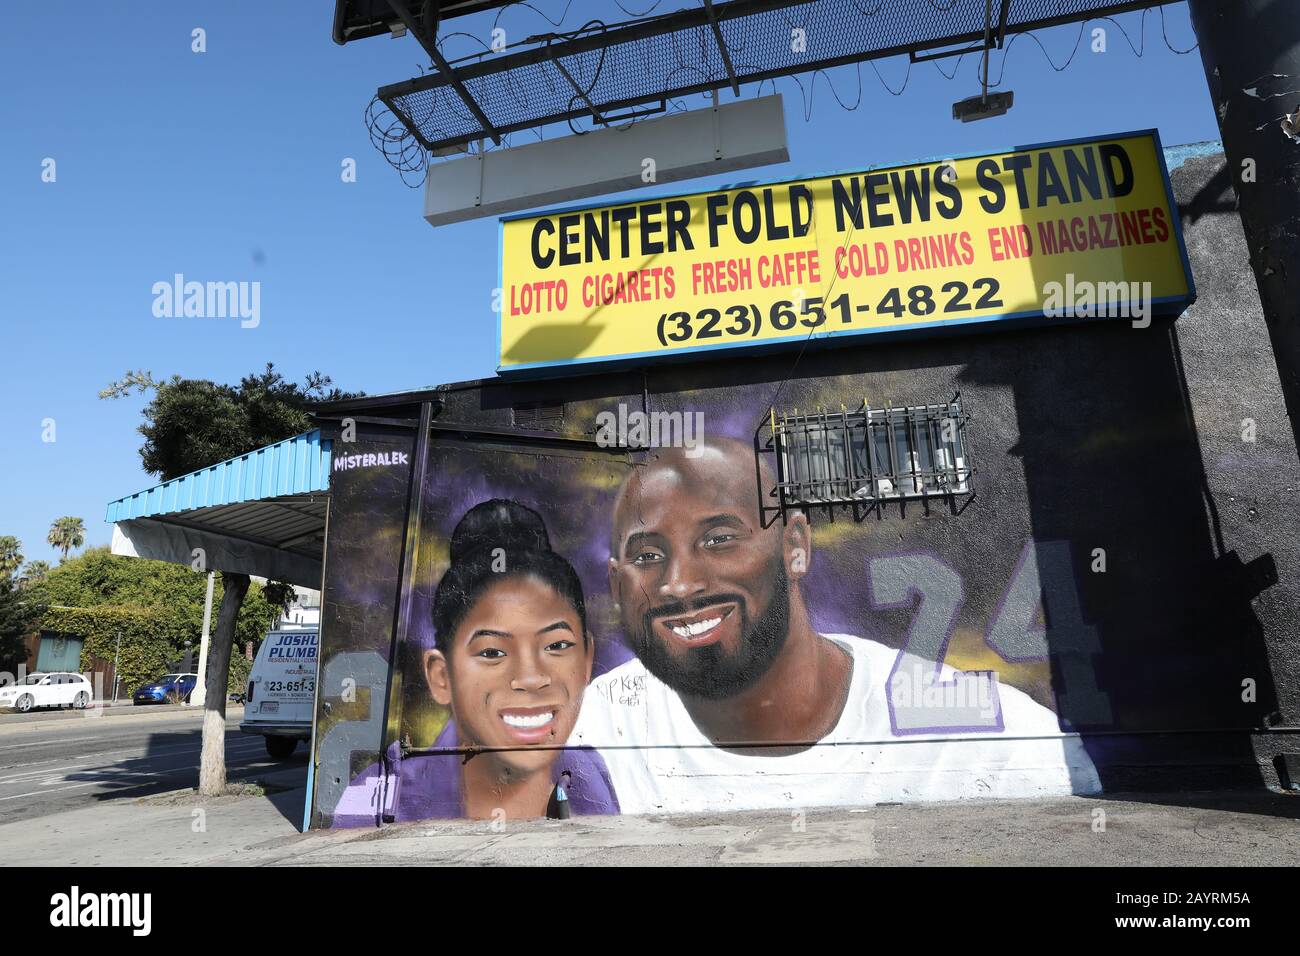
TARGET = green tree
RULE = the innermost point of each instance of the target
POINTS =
(67, 533)
(17, 618)
(11, 555)
(193, 423)
(169, 595)
(279, 598)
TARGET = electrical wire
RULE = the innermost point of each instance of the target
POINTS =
(794, 365)
(636, 16)
(524, 3)
(1138, 50)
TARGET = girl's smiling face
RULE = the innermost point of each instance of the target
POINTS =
(514, 672)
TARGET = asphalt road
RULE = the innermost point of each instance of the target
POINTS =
(55, 761)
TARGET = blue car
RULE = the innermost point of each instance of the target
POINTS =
(168, 689)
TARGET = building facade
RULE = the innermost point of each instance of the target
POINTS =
(1043, 559)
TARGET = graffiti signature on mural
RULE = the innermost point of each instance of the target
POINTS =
(625, 689)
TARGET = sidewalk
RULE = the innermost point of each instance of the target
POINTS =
(1229, 829)
(122, 708)
(171, 829)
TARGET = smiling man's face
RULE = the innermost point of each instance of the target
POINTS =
(703, 588)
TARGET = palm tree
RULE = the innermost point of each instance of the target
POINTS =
(33, 572)
(67, 533)
(11, 555)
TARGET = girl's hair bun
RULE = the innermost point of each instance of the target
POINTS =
(498, 523)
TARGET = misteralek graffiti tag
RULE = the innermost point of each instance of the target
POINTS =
(383, 458)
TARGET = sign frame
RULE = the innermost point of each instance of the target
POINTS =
(1161, 306)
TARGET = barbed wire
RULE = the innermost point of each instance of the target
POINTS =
(389, 135)
(523, 3)
(404, 153)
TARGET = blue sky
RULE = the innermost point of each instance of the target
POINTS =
(226, 166)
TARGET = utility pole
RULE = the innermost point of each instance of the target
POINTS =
(1251, 52)
(117, 659)
(200, 692)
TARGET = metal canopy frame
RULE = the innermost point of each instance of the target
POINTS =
(986, 42)
(581, 93)
(722, 46)
(718, 45)
(361, 19)
(430, 44)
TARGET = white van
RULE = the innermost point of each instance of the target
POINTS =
(282, 690)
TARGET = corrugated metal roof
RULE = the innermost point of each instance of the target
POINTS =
(295, 466)
(1175, 156)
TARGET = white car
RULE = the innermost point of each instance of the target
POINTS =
(48, 690)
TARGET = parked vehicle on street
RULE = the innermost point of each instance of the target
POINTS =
(168, 689)
(282, 690)
(48, 690)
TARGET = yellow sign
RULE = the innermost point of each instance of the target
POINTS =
(1059, 232)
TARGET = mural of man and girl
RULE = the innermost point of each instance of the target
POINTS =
(733, 699)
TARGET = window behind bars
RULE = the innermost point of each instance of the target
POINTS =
(871, 454)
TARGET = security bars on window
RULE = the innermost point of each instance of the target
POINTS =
(868, 456)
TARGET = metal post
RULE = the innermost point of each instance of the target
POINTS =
(988, 33)
(407, 575)
(200, 692)
(722, 48)
(117, 658)
(1251, 52)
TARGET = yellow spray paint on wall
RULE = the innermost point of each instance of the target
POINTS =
(1053, 233)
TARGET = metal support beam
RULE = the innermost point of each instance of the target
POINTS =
(512, 70)
(1002, 22)
(982, 47)
(304, 538)
(916, 57)
(410, 555)
(1251, 53)
(582, 94)
(988, 35)
(722, 46)
(430, 44)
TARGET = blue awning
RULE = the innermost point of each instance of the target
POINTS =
(261, 513)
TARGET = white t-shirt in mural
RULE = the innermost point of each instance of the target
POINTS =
(660, 761)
